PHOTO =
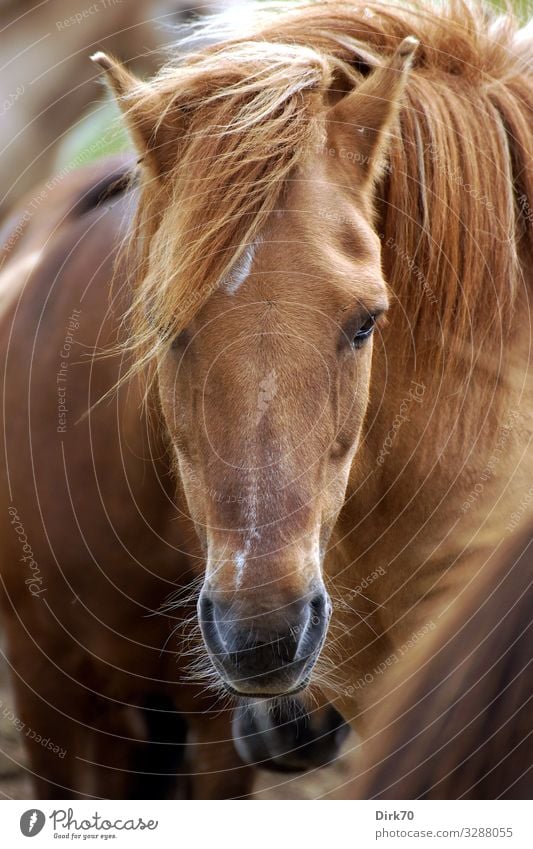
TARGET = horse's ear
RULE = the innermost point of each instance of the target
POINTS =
(361, 121)
(140, 106)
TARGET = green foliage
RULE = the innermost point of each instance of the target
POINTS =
(98, 133)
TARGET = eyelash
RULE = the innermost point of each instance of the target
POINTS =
(364, 332)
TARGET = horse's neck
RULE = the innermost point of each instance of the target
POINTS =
(437, 479)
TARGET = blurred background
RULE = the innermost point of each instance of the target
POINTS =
(55, 114)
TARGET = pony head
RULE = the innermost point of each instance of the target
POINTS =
(259, 299)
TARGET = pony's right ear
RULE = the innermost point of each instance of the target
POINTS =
(140, 106)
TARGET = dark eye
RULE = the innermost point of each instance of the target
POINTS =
(364, 331)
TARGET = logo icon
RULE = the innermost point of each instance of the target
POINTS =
(32, 822)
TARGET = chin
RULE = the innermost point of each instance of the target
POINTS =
(267, 692)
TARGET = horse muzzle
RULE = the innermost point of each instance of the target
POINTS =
(267, 654)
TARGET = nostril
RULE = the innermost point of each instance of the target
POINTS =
(317, 604)
(205, 609)
(319, 609)
(250, 651)
(207, 620)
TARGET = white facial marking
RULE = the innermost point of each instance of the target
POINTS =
(240, 563)
(241, 270)
(253, 534)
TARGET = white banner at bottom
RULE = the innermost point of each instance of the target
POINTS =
(232, 825)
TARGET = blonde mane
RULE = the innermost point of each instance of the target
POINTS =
(234, 120)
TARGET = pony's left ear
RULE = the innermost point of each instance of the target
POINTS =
(140, 106)
(361, 121)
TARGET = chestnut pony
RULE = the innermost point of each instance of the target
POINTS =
(337, 163)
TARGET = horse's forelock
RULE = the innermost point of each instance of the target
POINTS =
(252, 108)
(246, 125)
